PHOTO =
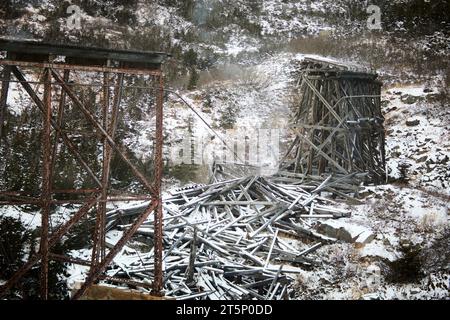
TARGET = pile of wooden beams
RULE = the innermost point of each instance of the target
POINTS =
(244, 238)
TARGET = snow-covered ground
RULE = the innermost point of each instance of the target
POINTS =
(397, 217)
(418, 132)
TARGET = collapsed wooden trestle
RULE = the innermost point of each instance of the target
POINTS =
(338, 124)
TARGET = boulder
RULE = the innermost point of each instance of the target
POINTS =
(412, 122)
(346, 232)
(409, 99)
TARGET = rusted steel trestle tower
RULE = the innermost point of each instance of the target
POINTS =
(57, 66)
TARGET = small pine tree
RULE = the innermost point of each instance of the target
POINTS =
(16, 245)
(12, 237)
(190, 61)
(193, 79)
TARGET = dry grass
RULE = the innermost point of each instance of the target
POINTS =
(395, 55)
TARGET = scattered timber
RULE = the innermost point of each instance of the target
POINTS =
(230, 239)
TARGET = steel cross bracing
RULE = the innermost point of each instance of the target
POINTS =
(57, 79)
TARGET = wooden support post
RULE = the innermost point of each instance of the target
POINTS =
(191, 267)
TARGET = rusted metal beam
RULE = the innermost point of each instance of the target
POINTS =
(85, 54)
(18, 202)
(4, 98)
(46, 184)
(87, 85)
(108, 151)
(55, 237)
(14, 193)
(110, 199)
(98, 269)
(59, 66)
(34, 201)
(17, 197)
(105, 169)
(118, 91)
(158, 221)
(59, 119)
(99, 127)
(18, 74)
(63, 258)
(75, 191)
(98, 248)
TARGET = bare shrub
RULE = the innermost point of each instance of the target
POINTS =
(407, 269)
